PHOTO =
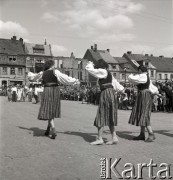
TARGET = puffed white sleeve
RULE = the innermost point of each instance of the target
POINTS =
(98, 73)
(64, 79)
(33, 76)
(138, 78)
(116, 85)
(153, 89)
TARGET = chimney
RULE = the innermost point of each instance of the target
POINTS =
(14, 38)
(108, 50)
(129, 52)
(72, 55)
(21, 40)
(45, 43)
(95, 47)
(92, 47)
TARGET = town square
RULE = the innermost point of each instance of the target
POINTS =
(27, 154)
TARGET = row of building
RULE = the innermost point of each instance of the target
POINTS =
(17, 58)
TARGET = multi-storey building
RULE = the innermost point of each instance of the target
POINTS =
(74, 67)
(12, 61)
(159, 68)
(94, 55)
(36, 55)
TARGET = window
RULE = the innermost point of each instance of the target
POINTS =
(60, 64)
(4, 70)
(152, 73)
(12, 58)
(146, 63)
(114, 66)
(80, 75)
(160, 76)
(12, 71)
(40, 51)
(171, 76)
(20, 71)
(166, 76)
(79, 64)
(67, 72)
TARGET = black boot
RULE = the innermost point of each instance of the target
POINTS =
(53, 133)
(140, 137)
(47, 131)
(151, 137)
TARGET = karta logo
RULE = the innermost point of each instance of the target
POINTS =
(110, 170)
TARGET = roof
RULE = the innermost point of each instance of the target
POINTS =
(162, 64)
(11, 47)
(30, 46)
(102, 54)
(121, 60)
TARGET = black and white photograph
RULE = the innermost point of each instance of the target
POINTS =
(86, 89)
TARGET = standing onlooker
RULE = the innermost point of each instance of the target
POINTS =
(14, 93)
(9, 93)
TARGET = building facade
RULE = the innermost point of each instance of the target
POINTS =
(36, 55)
(12, 62)
(74, 67)
(93, 55)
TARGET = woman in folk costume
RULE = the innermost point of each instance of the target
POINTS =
(107, 109)
(50, 107)
(141, 112)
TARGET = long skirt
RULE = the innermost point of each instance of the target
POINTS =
(141, 112)
(107, 109)
(50, 107)
(14, 96)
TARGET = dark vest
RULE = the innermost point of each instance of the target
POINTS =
(144, 86)
(49, 77)
(107, 82)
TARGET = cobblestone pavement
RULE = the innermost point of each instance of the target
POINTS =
(26, 154)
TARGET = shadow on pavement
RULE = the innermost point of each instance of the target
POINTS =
(164, 132)
(88, 137)
(36, 131)
(125, 135)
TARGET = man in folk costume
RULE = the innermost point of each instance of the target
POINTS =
(107, 109)
(50, 107)
(141, 112)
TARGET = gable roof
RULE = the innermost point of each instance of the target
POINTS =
(101, 54)
(30, 46)
(162, 64)
(11, 47)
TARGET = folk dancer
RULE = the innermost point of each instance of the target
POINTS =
(141, 112)
(107, 108)
(50, 107)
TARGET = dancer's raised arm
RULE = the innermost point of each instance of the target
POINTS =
(64, 79)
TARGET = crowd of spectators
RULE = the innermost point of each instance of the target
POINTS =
(162, 102)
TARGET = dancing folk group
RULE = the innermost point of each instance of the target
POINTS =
(50, 107)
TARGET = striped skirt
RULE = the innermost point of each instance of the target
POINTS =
(107, 109)
(50, 107)
(141, 112)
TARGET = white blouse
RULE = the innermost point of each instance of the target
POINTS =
(142, 79)
(102, 74)
(62, 78)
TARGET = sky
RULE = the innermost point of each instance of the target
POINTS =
(140, 26)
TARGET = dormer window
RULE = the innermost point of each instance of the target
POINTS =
(12, 58)
(38, 49)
